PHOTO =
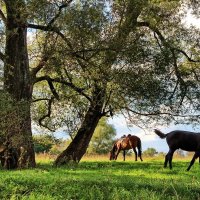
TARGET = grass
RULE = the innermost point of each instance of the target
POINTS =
(97, 178)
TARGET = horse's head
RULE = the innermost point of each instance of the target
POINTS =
(112, 153)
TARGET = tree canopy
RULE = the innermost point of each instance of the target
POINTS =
(138, 61)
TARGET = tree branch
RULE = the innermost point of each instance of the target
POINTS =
(183, 86)
(41, 64)
(64, 5)
(49, 26)
(2, 16)
(61, 81)
(185, 54)
(41, 99)
(50, 101)
(53, 90)
(2, 56)
(163, 40)
(158, 113)
(52, 29)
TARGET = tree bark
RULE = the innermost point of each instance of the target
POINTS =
(17, 81)
(79, 145)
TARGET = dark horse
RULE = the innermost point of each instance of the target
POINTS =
(126, 143)
(184, 140)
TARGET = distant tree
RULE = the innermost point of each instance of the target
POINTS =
(180, 153)
(103, 137)
(44, 142)
(58, 148)
(161, 154)
(150, 152)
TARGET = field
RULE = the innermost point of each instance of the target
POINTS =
(97, 178)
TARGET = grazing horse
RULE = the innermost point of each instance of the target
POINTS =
(188, 141)
(126, 143)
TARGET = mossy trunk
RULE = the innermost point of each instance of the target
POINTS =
(17, 82)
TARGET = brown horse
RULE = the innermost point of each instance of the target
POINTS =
(126, 143)
(188, 141)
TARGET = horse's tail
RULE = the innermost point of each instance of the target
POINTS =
(139, 146)
(160, 134)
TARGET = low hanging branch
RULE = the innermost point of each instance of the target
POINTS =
(59, 80)
(53, 90)
(159, 113)
(163, 40)
(48, 115)
(183, 85)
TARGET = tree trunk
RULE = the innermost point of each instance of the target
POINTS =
(79, 145)
(17, 82)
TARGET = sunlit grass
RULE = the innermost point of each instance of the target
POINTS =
(95, 177)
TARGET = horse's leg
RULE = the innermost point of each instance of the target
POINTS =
(196, 155)
(140, 154)
(166, 160)
(124, 153)
(135, 153)
(118, 150)
(170, 158)
(140, 157)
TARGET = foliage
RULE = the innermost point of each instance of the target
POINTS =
(150, 152)
(102, 138)
(44, 142)
(58, 148)
(142, 66)
(102, 180)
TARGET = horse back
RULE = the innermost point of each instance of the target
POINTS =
(130, 142)
(188, 141)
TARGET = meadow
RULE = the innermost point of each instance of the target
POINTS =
(95, 177)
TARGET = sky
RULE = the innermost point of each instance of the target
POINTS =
(191, 20)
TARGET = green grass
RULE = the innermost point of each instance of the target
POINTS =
(103, 180)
